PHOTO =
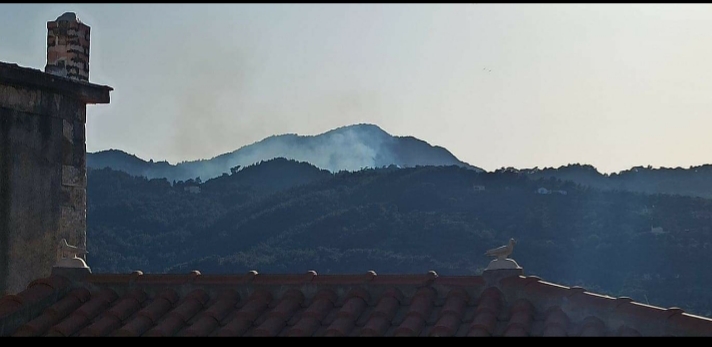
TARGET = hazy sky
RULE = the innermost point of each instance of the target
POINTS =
(611, 85)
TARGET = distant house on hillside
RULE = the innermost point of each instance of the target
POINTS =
(657, 230)
(543, 191)
(192, 189)
(550, 191)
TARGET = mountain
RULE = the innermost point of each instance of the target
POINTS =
(285, 216)
(347, 148)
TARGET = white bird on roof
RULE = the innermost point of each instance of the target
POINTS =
(65, 250)
(502, 252)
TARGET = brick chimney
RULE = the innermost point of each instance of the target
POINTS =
(68, 47)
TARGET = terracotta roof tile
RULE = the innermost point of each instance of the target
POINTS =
(522, 319)
(209, 319)
(269, 279)
(412, 326)
(478, 331)
(135, 327)
(84, 314)
(277, 317)
(691, 324)
(352, 308)
(414, 279)
(554, 331)
(256, 304)
(489, 301)
(53, 314)
(344, 279)
(54, 282)
(447, 325)
(308, 304)
(203, 326)
(321, 306)
(522, 314)
(9, 304)
(451, 314)
(179, 316)
(556, 322)
(460, 281)
(518, 281)
(342, 326)
(236, 327)
(112, 278)
(484, 320)
(544, 292)
(306, 326)
(149, 315)
(593, 326)
(515, 331)
(112, 319)
(422, 303)
(167, 279)
(627, 331)
(225, 279)
(271, 327)
(36, 327)
(387, 307)
(290, 302)
(35, 292)
(376, 326)
(638, 311)
(347, 315)
(167, 327)
(583, 301)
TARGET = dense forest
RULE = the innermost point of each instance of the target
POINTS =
(283, 216)
(693, 181)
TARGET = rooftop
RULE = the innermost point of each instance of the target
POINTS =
(308, 304)
(89, 93)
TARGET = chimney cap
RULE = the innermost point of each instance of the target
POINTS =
(68, 16)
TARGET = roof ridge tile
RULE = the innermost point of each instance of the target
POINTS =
(345, 278)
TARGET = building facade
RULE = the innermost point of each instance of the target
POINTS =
(43, 156)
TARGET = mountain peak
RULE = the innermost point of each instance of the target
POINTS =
(361, 127)
(347, 148)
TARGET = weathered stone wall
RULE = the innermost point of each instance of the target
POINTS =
(42, 181)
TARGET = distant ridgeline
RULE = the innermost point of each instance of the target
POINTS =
(285, 216)
(694, 181)
(354, 147)
(347, 148)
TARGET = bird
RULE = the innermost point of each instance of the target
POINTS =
(64, 250)
(502, 252)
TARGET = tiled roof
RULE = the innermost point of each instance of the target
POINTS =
(308, 304)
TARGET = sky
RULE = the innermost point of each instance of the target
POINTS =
(498, 85)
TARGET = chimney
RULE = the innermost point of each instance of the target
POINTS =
(68, 47)
(43, 159)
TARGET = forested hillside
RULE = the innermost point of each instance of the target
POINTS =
(285, 216)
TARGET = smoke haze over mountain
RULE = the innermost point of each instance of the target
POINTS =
(347, 148)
